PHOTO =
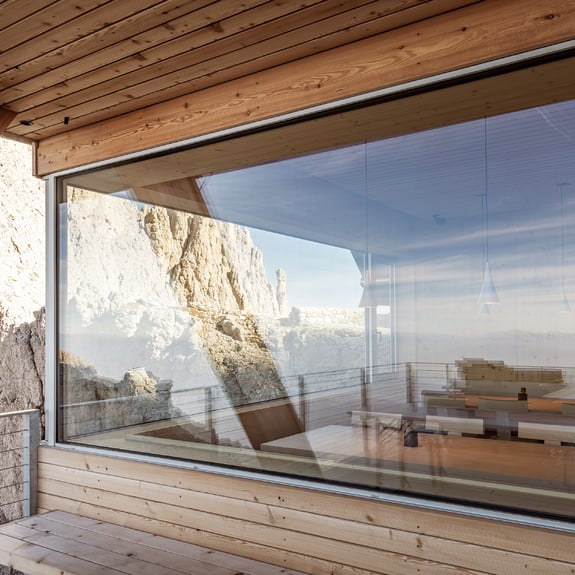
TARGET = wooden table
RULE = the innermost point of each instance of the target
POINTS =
(437, 453)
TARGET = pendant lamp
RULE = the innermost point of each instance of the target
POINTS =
(563, 302)
(488, 294)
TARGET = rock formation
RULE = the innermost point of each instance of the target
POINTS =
(94, 403)
(22, 292)
(218, 274)
(22, 320)
(281, 292)
(160, 304)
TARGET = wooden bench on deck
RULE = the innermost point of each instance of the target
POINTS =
(548, 433)
(59, 543)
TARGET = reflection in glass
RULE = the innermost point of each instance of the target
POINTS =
(317, 316)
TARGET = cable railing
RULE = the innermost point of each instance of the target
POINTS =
(324, 397)
(19, 439)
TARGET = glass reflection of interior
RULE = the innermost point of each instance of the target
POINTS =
(393, 314)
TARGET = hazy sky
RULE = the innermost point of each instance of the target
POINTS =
(318, 275)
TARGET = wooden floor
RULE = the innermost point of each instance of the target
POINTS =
(68, 544)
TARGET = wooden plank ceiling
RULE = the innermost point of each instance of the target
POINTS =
(66, 64)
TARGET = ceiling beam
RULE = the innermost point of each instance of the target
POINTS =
(6, 117)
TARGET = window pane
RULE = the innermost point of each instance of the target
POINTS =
(394, 314)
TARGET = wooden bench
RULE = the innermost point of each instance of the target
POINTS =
(372, 418)
(515, 405)
(454, 425)
(58, 543)
(455, 402)
(548, 433)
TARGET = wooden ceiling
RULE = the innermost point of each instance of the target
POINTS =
(65, 64)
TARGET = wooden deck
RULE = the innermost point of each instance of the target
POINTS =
(68, 544)
(293, 527)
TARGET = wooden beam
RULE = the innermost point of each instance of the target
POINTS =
(6, 116)
(477, 33)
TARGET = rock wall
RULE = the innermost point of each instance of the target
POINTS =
(22, 318)
(22, 285)
(210, 264)
(155, 282)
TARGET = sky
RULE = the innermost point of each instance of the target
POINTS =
(318, 275)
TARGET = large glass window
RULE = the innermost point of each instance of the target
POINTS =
(395, 314)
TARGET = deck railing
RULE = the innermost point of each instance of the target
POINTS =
(19, 439)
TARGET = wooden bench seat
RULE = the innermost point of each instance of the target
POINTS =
(58, 543)
(372, 418)
(454, 425)
(548, 433)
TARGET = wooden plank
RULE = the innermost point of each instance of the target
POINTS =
(147, 557)
(113, 559)
(499, 535)
(280, 557)
(35, 560)
(485, 559)
(424, 547)
(138, 22)
(99, 28)
(13, 10)
(405, 115)
(304, 559)
(446, 42)
(174, 553)
(240, 51)
(32, 35)
(135, 50)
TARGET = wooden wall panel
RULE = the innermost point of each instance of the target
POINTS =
(470, 35)
(315, 532)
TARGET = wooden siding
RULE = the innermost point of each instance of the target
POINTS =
(303, 529)
(460, 38)
(98, 59)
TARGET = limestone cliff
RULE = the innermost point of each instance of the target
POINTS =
(21, 279)
(218, 274)
(210, 263)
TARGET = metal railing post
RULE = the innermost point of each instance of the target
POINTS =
(209, 410)
(30, 431)
(302, 402)
(365, 399)
(409, 383)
